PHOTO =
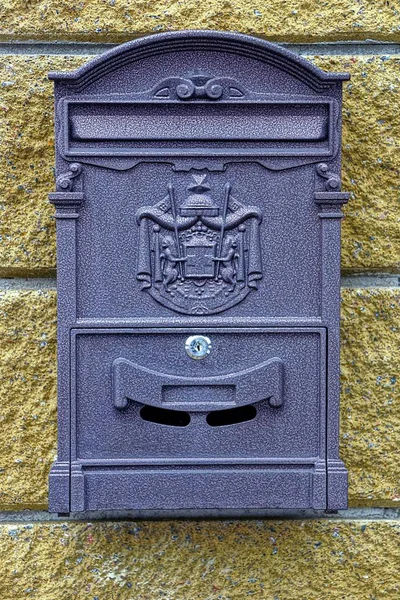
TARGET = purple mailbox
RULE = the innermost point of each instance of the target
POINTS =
(198, 230)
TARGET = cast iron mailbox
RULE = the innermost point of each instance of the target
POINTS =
(198, 229)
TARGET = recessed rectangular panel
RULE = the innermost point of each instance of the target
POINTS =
(199, 394)
(142, 128)
(287, 416)
(137, 122)
(169, 490)
(276, 269)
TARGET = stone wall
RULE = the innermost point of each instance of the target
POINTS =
(354, 555)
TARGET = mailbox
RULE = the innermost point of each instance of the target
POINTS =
(198, 208)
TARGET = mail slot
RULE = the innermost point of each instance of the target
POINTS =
(198, 205)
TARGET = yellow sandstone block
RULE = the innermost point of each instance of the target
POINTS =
(370, 408)
(120, 20)
(28, 420)
(27, 241)
(198, 560)
(371, 161)
(370, 400)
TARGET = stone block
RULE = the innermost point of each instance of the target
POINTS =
(370, 399)
(28, 419)
(121, 20)
(193, 560)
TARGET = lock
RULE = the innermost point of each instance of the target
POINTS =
(198, 346)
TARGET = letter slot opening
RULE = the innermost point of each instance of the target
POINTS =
(231, 416)
(165, 416)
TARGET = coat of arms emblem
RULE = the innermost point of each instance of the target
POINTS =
(199, 258)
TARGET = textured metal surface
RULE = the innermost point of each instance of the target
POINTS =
(198, 194)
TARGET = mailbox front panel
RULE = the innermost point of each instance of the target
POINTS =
(198, 204)
(132, 370)
(271, 228)
(255, 402)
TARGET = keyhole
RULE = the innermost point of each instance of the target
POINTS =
(198, 346)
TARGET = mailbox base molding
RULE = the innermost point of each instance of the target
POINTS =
(319, 486)
(337, 484)
(59, 487)
(193, 487)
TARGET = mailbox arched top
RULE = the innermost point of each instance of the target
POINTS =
(200, 40)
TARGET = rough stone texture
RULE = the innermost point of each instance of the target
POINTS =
(371, 161)
(119, 20)
(27, 240)
(370, 408)
(28, 421)
(370, 402)
(214, 560)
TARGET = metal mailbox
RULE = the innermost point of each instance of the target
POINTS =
(198, 230)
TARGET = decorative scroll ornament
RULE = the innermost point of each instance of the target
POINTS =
(65, 198)
(331, 199)
(199, 86)
(333, 182)
(64, 182)
(199, 258)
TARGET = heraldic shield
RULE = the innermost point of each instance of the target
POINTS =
(199, 258)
